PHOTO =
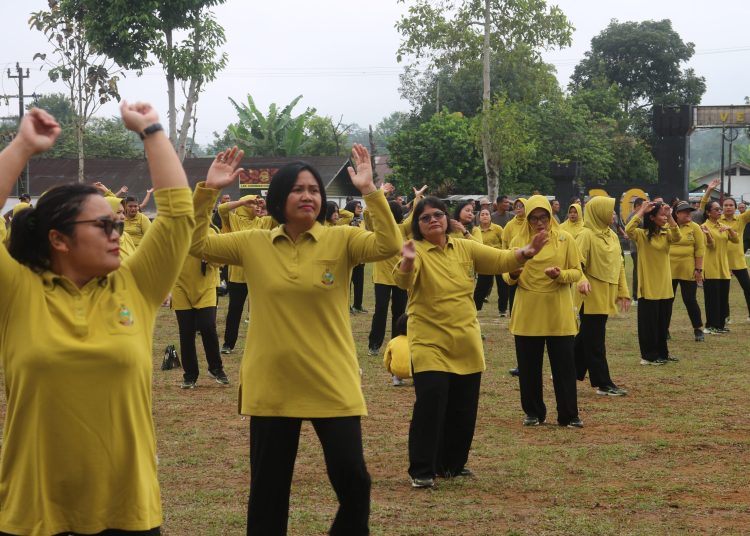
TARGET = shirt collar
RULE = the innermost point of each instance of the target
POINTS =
(51, 280)
(429, 246)
(315, 232)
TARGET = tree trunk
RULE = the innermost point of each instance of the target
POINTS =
(79, 138)
(192, 97)
(373, 153)
(172, 111)
(490, 169)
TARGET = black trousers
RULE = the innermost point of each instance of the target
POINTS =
(716, 296)
(484, 289)
(237, 297)
(591, 350)
(688, 289)
(653, 324)
(358, 282)
(109, 532)
(744, 280)
(273, 449)
(442, 422)
(203, 320)
(530, 356)
(634, 257)
(385, 294)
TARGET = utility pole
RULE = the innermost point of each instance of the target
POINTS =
(22, 186)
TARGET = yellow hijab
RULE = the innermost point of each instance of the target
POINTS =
(569, 226)
(20, 206)
(598, 243)
(246, 212)
(114, 202)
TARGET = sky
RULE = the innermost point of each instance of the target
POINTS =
(341, 54)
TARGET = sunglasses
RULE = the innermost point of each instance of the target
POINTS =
(107, 224)
(427, 218)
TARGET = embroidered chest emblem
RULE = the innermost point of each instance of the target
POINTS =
(125, 317)
(327, 278)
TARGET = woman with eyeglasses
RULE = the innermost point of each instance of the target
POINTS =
(438, 272)
(716, 271)
(543, 315)
(298, 277)
(654, 292)
(79, 452)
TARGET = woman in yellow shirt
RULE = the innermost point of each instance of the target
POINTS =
(79, 452)
(716, 275)
(358, 272)
(492, 235)
(574, 224)
(462, 224)
(604, 288)
(514, 226)
(438, 272)
(655, 292)
(137, 223)
(686, 261)
(298, 277)
(543, 315)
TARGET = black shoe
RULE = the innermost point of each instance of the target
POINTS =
(514, 372)
(358, 310)
(532, 421)
(422, 483)
(226, 349)
(188, 384)
(610, 390)
(220, 377)
(373, 351)
(575, 423)
(699, 337)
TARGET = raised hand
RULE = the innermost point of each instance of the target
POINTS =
(714, 184)
(420, 192)
(138, 116)
(38, 131)
(553, 272)
(362, 177)
(224, 170)
(150, 191)
(387, 188)
(536, 244)
(99, 186)
(409, 250)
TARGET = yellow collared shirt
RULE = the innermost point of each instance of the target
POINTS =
(137, 227)
(654, 270)
(682, 254)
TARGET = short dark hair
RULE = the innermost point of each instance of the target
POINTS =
(732, 200)
(281, 186)
(401, 325)
(24, 196)
(501, 198)
(396, 210)
(707, 209)
(331, 209)
(130, 199)
(650, 225)
(432, 202)
(637, 202)
(57, 209)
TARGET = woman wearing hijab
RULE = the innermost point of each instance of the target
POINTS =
(510, 231)
(438, 272)
(654, 290)
(604, 287)
(574, 224)
(686, 261)
(716, 275)
(543, 315)
(462, 224)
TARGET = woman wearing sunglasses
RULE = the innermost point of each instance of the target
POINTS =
(76, 327)
(438, 272)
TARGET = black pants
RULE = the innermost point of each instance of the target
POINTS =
(383, 295)
(530, 356)
(273, 449)
(203, 320)
(653, 324)
(484, 289)
(591, 350)
(634, 257)
(442, 422)
(688, 289)
(716, 296)
(110, 532)
(237, 297)
(744, 280)
(358, 282)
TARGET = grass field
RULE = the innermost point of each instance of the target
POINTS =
(672, 457)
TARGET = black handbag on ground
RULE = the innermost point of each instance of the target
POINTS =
(171, 359)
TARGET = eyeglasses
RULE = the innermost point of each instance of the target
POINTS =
(544, 218)
(427, 218)
(107, 224)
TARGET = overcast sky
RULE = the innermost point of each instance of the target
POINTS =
(341, 54)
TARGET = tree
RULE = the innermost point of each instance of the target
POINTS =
(451, 33)
(326, 137)
(642, 59)
(278, 133)
(105, 137)
(91, 78)
(440, 152)
(129, 31)
(58, 104)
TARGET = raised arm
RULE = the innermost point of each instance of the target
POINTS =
(706, 196)
(146, 198)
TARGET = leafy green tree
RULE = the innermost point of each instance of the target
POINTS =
(58, 104)
(104, 138)
(453, 33)
(131, 30)
(90, 78)
(326, 136)
(441, 153)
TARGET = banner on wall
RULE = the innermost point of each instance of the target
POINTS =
(256, 178)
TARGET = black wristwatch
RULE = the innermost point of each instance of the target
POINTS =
(156, 127)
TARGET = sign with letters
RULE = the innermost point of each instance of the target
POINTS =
(721, 116)
(257, 178)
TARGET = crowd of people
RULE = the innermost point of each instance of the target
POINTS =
(90, 267)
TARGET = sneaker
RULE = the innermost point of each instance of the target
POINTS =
(672, 358)
(422, 482)
(634, 303)
(188, 384)
(397, 382)
(503, 314)
(728, 321)
(358, 310)
(373, 351)
(220, 377)
(226, 349)
(610, 390)
(620, 390)
(655, 362)
(514, 372)
(575, 423)
(699, 337)
(466, 472)
(722, 330)
(532, 421)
